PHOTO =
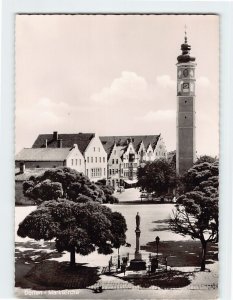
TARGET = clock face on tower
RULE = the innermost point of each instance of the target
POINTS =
(185, 72)
(185, 87)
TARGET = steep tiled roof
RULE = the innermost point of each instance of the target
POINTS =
(68, 140)
(108, 141)
(42, 154)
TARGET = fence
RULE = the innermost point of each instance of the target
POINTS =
(113, 285)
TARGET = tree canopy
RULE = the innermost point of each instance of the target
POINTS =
(196, 212)
(158, 176)
(66, 183)
(76, 227)
(205, 158)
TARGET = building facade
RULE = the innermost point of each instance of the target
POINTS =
(114, 158)
(40, 158)
(186, 151)
(127, 153)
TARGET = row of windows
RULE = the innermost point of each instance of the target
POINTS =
(127, 165)
(75, 162)
(96, 149)
(127, 174)
(95, 159)
(115, 171)
(102, 159)
(96, 172)
(114, 160)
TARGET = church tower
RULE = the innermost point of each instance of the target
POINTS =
(185, 150)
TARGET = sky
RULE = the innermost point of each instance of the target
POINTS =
(113, 75)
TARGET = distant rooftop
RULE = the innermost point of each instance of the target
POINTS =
(109, 141)
(42, 154)
(63, 140)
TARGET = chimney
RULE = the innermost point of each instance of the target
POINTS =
(55, 135)
(59, 143)
(22, 167)
(46, 143)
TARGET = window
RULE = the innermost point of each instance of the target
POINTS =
(80, 161)
(72, 162)
(76, 162)
(113, 171)
(87, 172)
(96, 172)
(94, 149)
(92, 159)
(88, 159)
(115, 152)
(110, 172)
(113, 161)
(100, 159)
(104, 171)
(116, 161)
(116, 171)
(104, 159)
(96, 159)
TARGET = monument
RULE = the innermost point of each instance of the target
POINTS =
(137, 263)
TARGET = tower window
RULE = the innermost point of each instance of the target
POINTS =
(185, 117)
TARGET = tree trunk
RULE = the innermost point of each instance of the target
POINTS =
(72, 257)
(203, 255)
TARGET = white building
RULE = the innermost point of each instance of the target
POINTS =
(114, 158)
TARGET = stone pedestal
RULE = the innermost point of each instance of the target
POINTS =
(137, 263)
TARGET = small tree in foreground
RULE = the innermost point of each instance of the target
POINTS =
(76, 227)
(196, 212)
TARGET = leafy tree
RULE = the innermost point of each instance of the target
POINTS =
(198, 174)
(108, 192)
(158, 176)
(196, 212)
(66, 183)
(205, 158)
(76, 227)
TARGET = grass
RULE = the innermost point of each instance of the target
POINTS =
(164, 280)
(183, 253)
(34, 270)
(59, 275)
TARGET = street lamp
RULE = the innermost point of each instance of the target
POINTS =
(157, 239)
(118, 260)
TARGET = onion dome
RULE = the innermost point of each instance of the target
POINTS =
(185, 57)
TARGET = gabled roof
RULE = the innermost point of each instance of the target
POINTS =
(42, 154)
(68, 140)
(136, 140)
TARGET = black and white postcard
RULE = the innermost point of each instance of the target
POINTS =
(116, 156)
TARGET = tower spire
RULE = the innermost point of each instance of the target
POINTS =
(185, 34)
(185, 48)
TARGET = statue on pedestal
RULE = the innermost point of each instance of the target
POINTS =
(138, 218)
(137, 263)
